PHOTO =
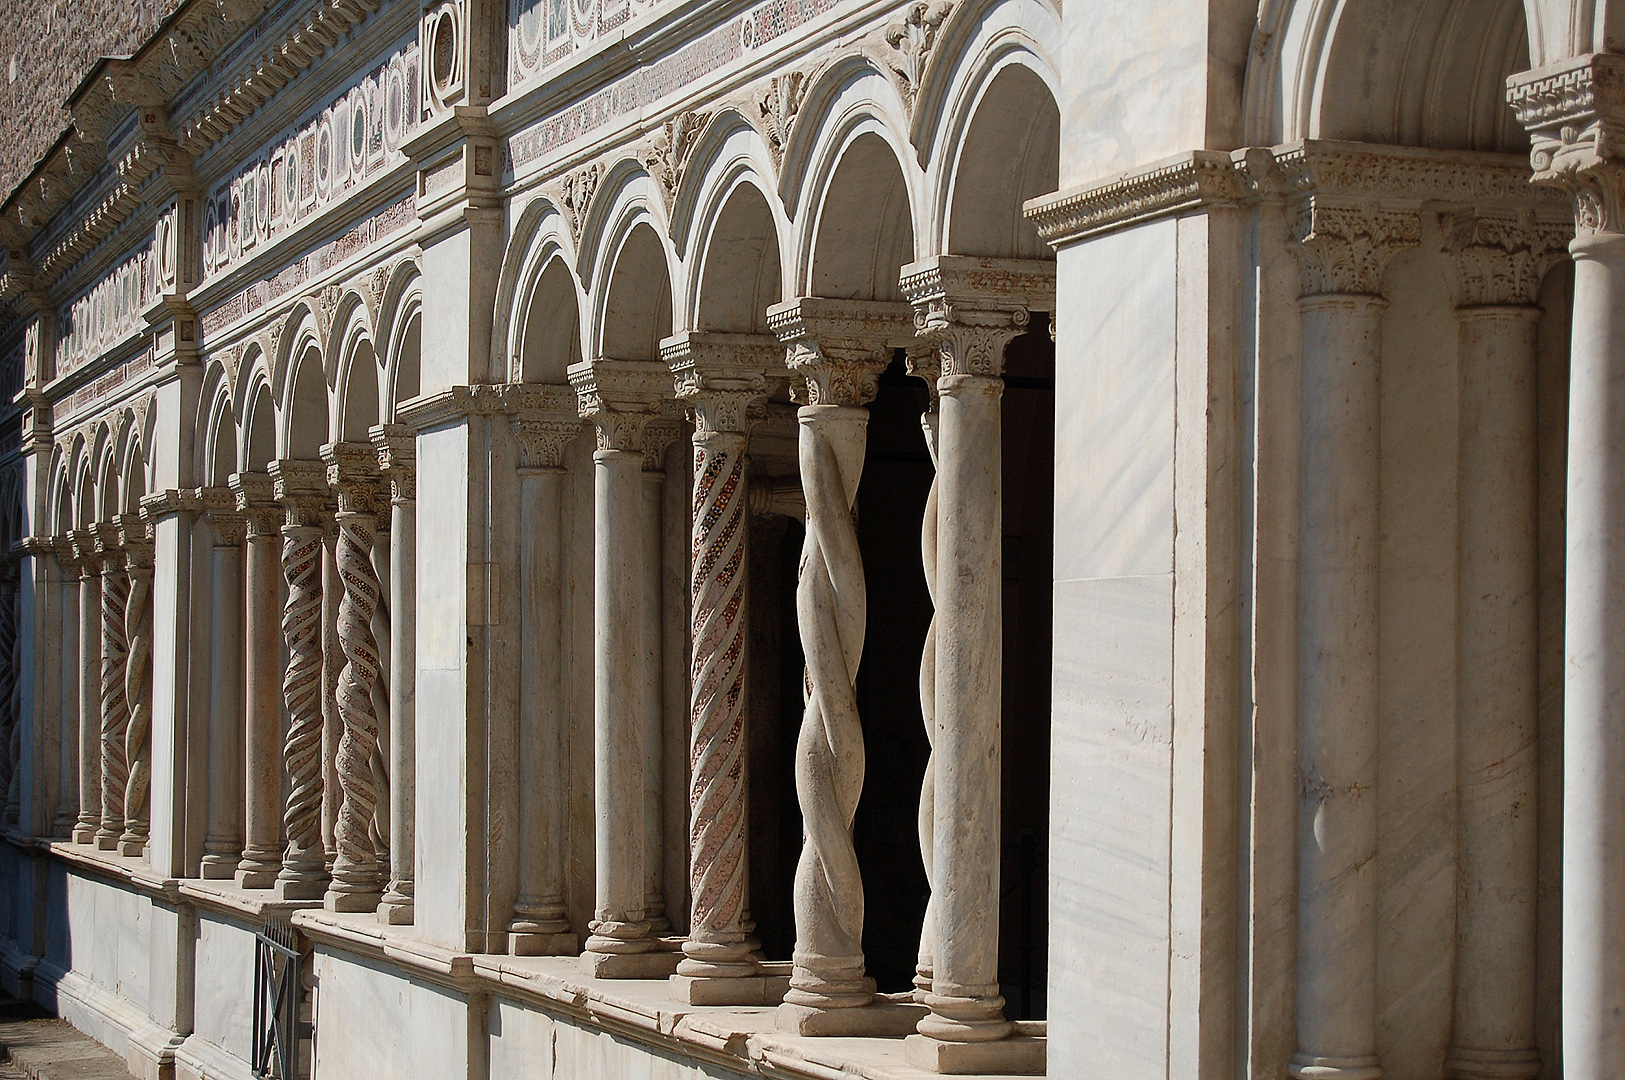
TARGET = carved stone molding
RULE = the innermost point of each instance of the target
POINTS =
(1344, 248)
(1172, 186)
(973, 307)
(723, 377)
(1574, 112)
(621, 398)
(1500, 259)
(397, 460)
(839, 347)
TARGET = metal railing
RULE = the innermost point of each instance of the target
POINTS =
(277, 992)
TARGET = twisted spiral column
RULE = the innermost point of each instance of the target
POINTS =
(138, 696)
(90, 695)
(923, 363)
(357, 873)
(262, 706)
(831, 611)
(303, 875)
(115, 703)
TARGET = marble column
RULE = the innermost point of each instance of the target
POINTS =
(397, 465)
(115, 715)
(301, 486)
(620, 397)
(68, 630)
(223, 839)
(972, 309)
(137, 543)
(254, 496)
(1342, 251)
(657, 436)
(11, 760)
(725, 380)
(87, 555)
(924, 364)
(1499, 262)
(358, 872)
(838, 349)
(540, 924)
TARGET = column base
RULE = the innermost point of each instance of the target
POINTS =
(132, 846)
(396, 912)
(256, 878)
(301, 888)
(533, 943)
(106, 841)
(351, 902)
(887, 1015)
(218, 868)
(1465, 1064)
(1314, 1067)
(654, 964)
(1018, 1055)
(766, 988)
(84, 834)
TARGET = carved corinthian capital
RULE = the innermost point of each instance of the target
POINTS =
(840, 347)
(1574, 112)
(973, 307)
(725, 378)
(1500, 258)
(1343, 247)
(397, 460)
(620, 397)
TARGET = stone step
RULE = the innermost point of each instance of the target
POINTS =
(36, 1045)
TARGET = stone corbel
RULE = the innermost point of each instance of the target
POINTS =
(1344, 246)
(621, 398)
(838, 348)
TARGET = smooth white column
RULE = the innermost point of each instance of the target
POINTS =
(262, 698)
(68, 628)
(90, 687)
(656, 438)
(223, 842)
(540, 924)
(397, 462)
(1594, 666)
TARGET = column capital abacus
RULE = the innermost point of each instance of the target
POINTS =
(166, 503)
(352, 474)
(1574, 111)
(838, 348)
(973, 307)
(397, 460)
(1499, 258)
(724, 378)
(59, 547)
(1344, 245)
(135, 537)
(301, 487)
(621, 398)
(219, 504)
(109, 545)
(254, 495)
(543, 435)
(85, 552)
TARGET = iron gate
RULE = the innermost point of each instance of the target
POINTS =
(277, 990)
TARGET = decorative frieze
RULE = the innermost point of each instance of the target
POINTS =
(1170, 187)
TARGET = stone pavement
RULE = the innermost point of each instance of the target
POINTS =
(36, 1045)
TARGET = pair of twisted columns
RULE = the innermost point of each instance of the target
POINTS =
(1572, 109)
(623, 399)
(540, 924)
(838, 348)
(360, 833)
(61, 548)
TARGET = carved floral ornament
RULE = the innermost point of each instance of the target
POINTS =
(909, 42)
(1574, 112)
(1501, 258)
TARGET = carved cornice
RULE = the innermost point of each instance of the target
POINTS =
(723, 377)
(397, 460)
(1574, 112)
(620, 398)
(840, 347)
(352, 474)
(167, 503)
(1343, 248)
(301, 488)
(1171, 186)
(1501, 258)
(255, 498)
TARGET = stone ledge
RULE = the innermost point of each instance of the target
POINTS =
(133, 870)
(229, 899)
(738, 1038)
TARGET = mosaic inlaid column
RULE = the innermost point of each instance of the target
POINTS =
(137, 684)
(115, 716)
(723, 378)
(1342, 251)
(838, 349)
(261, 861)
(620, 398)
(88, 556)
(358, 872)
(301, 486)
(397, 450)
(223, 838)
(540, 924)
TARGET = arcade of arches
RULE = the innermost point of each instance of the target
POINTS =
(810, 539)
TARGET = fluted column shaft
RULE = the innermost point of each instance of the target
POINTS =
(223, 838)
(115, 716)
(301, 487)
(540, 924)
(68, 629)
(90, 688)
(262, 698)
(137, 686)
(397, 463)
(621, 398)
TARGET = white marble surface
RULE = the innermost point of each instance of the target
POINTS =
(224, 992)
(384, 1025)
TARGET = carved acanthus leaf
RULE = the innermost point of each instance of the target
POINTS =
(576, 195)
(666, 154)
(1344, 248)
(777, 103)
(910, 41)
(1500, 259)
